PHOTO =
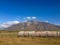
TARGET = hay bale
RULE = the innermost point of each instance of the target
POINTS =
(32, 33)
(52, 34)
(43, 33)
(21, 33)
(37, 34)
(26, 33)
(58, 34)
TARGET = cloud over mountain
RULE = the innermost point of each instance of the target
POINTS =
(8, 24)
(34, 17)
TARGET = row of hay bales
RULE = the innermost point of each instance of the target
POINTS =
(39, 34)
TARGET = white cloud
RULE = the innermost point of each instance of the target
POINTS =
(28, 17)
(8, 24)
(33, 17)
(46, 21)
(11, 22)
(3, 26)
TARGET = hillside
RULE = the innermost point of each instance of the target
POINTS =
(34, 25)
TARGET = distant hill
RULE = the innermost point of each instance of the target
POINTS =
(34, 25)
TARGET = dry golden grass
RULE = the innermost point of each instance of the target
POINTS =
(10, 38)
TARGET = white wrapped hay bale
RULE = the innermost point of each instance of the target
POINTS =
(43, 33)
(31, 33)
(21, 33)
(26, 33)
(37, 34)
(52, 33)
(58, 34)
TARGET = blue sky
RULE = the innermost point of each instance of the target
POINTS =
(44, 10)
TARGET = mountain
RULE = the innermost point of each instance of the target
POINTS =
(34, 25)
(8, 24)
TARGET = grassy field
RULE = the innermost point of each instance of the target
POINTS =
(10, 38)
